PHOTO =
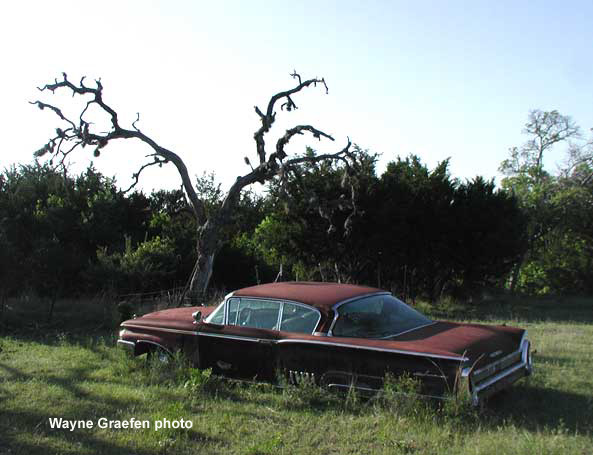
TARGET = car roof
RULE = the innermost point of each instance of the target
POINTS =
(320, 295)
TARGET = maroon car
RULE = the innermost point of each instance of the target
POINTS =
(339, 335)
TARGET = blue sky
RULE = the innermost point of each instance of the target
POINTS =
(438, 79)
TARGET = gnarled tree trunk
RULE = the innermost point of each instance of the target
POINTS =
(79, 132)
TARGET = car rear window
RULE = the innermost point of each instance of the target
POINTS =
(377, 316)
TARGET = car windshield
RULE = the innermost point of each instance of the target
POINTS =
(377, 316)
(217, 316)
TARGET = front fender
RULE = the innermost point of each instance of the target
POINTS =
(141, 343)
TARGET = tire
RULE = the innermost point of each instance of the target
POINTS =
(158, 355)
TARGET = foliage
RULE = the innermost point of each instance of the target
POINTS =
(558, 208)
(490, 234)
(147, 267)
(54, 224)
(198, 380)
(414, 230)
(322, 247)
(416, 226)
(419, 231)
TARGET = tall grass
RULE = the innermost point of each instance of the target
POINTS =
(65, 372)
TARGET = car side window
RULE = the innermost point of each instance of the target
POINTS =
(261, 314)
(299, 319)
(233, 305)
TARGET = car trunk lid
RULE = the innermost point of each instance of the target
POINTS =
(478, 343)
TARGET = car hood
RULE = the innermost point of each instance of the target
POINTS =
(477, 342)
(175, 318)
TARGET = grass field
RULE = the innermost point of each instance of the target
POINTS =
(77, 374)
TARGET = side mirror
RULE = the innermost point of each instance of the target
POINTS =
(197, 317)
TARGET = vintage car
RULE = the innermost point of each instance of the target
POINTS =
(338, 335)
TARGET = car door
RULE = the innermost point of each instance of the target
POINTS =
(243, 345)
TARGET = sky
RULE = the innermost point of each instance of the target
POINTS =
(439, 79)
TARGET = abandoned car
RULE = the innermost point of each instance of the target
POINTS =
(338, 335)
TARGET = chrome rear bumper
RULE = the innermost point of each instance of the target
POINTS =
(499, 375)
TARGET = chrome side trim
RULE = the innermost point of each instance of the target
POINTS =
(326, 343)
(430, 375)
(129, 346)
(409, 330)
(380, 391)
(159, 329)
(369, 348)
(232, 337)
(497, 377)
(351, 387)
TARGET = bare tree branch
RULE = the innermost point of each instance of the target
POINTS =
(82, 135)
(296, 75)
(342, 155)
(136, 121)
(58, 112)
(136, 175)
(269, 117)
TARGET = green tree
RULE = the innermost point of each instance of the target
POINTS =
(54, 223)
(527, 179)
(313, 232)
(415, 223)
(488, 235)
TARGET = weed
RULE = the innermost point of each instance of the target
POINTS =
(198, 381)
(401, 395)
(83, 377)
(305, 393)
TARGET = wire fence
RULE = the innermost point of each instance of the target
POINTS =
(144, 302)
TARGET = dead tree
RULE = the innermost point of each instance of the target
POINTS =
(80, 132)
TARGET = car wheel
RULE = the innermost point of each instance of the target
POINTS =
(159, 356)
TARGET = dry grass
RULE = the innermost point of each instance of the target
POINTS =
(69, 373)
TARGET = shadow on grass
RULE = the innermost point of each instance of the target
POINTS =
(58, 336)
(535, 408)
(70, 383)
(544, 360)
(40, 437)
(29, 432)
(525, 308)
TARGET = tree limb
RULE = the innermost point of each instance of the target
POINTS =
(269, 117)
(136, 175)
(281, 154)
(82, 135)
